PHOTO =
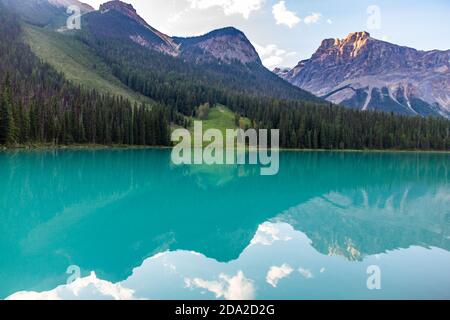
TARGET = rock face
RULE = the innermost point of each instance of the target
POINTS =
(281, 72)
(365, 73)
(226, 45)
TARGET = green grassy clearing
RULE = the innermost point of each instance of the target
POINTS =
(220, 118)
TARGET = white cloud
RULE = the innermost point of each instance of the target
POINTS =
(175, 17)
(283, 16)
(272, 62)
(272, 57)
(269, 50)
(275, 274)
(242, 7)
(88, 288)
(306, 273)
(237, 287)
(267, 234)
(313, 18)
(329, 21)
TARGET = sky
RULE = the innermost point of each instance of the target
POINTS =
(285, 32)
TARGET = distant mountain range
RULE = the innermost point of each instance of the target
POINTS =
(358, 72)
(365, 73)
(225, 56)
(119, 20)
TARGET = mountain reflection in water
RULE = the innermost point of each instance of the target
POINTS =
(225, 232)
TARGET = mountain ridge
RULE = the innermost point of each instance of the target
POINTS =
(168, 46)
(117, 25)
(213, 43)
(225, 45)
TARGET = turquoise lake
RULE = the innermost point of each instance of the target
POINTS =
(139, 227)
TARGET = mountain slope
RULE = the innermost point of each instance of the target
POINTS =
(119, 20)
(194, 69)
(59, 112)
(44, 12)
(77, 62)
(38, 105)
(224, 59)
(364, 73)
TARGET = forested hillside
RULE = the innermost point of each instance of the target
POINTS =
(79, 65)
(302, 123)
(37, 104)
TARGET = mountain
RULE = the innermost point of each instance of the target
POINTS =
(39, 105)
(226, 45)
(365, 73)
(120, 81)
(222, 59)
(119, 20)
(84, 7)
(282, 72)
(44, 12)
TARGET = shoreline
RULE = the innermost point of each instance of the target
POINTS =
(94, 147)
(86, 147)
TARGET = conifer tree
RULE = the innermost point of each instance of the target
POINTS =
(7, 127)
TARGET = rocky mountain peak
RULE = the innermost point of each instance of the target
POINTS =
(226, 45)
(124, 8)
(117, 5)
(357, 36)
(349, 47)
(230, 31)
(352, 38)
(140, 34)
(357, 41)
(281, 72)
(362, 72)
(327, 44)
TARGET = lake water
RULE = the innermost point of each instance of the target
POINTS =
(139, 227)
